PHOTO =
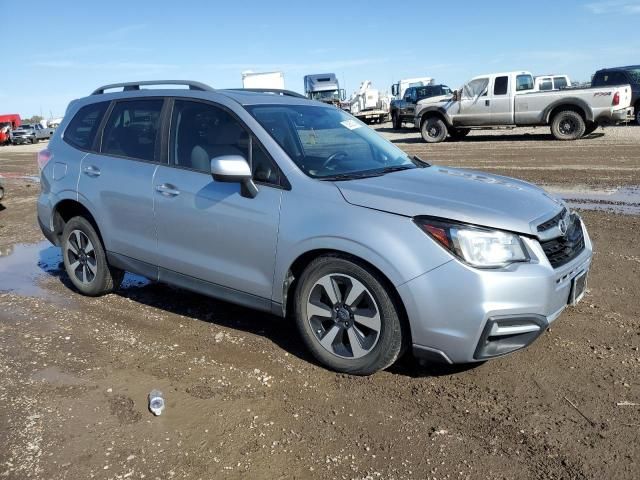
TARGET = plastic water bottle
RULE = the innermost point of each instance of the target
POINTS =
(156, 402)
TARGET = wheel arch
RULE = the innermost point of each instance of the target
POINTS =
(65, 210)
(304, 259)
(437, 112)
(574, 104)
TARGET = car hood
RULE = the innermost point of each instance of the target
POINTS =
(463, 195)
(436, 99)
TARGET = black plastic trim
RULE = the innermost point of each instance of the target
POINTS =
(523, 319)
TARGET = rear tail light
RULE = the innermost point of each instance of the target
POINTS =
(43, 158)
(616, 99)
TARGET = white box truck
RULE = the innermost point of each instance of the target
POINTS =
(269, 80)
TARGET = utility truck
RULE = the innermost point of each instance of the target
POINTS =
(270, 80)
(509, 99)
(369, 104)
(325, 88)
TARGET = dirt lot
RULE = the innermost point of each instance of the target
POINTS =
(244, 400)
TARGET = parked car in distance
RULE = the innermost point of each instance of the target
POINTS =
(509, 100)
(629, 75)
(404, 109)
(8, 122)
(27, 133)
(551, 82)
(294, 207)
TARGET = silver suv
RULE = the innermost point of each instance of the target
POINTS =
(291, 206)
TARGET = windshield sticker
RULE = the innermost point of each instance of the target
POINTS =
(351, 124)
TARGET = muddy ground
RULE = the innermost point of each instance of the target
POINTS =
(244, 400)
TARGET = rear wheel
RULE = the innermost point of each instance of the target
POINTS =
(637, 114)
(433, 130)
(346, 317)
(567, 125)
(85, 260)
(397, 123)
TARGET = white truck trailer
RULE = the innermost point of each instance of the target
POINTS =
(270, 80)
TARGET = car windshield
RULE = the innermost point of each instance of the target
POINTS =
(327, 143)
(326, 95)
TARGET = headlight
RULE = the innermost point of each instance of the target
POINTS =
(479, 247)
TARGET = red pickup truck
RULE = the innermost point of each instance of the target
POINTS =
(8, 122)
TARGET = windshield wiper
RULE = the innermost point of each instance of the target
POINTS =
(422, 163)
(397, 168)
(351, 176)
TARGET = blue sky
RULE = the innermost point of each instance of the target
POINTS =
(69, 48)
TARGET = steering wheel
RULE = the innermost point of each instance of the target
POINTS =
(334, 157)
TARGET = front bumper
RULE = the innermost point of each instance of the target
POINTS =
(460, 314)
(21, 140)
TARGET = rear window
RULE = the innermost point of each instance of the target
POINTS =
(132, 129)
(83, 127)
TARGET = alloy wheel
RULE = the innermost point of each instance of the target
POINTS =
(82, 257)
(343, 316)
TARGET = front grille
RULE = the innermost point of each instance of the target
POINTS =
(562, 250)
(543, 227)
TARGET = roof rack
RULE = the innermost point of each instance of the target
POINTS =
(277, 91)
(129, 86)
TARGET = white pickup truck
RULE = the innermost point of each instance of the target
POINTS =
(508, 99)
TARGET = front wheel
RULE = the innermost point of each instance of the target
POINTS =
(395, 118)
(85, 260)
(638, 114)
(346, 318)
(567, 125)
(434, 130)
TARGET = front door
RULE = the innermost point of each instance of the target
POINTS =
(208, 232)
(475, 105)
(501, 102)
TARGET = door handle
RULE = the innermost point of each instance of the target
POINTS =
(92, 171)
(167, 190)
(487, 102)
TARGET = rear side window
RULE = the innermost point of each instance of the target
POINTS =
(524, 82)
(82, 130)
(501, 86)
(560, 82)
(132, 129)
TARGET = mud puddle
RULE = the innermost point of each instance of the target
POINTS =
(25, 267)
(624, 200)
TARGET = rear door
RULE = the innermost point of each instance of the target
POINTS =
(117, 181)
(210, 237)
(501, 104)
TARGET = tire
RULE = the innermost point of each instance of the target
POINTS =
(34, 140)
(637, 108)
(89, 271)
(459, 133)
(433, 130)
(395, 119)
(355, 348)
(567, 125)
(590, 128)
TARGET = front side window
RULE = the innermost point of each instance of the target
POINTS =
(83, 127)
(201, 132)
(476, 88)
(132, 129)
(524, 82)
(327, 143)
(501, 86)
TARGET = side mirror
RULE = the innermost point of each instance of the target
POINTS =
(234, 169)
(343, 95)
(394, 89)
